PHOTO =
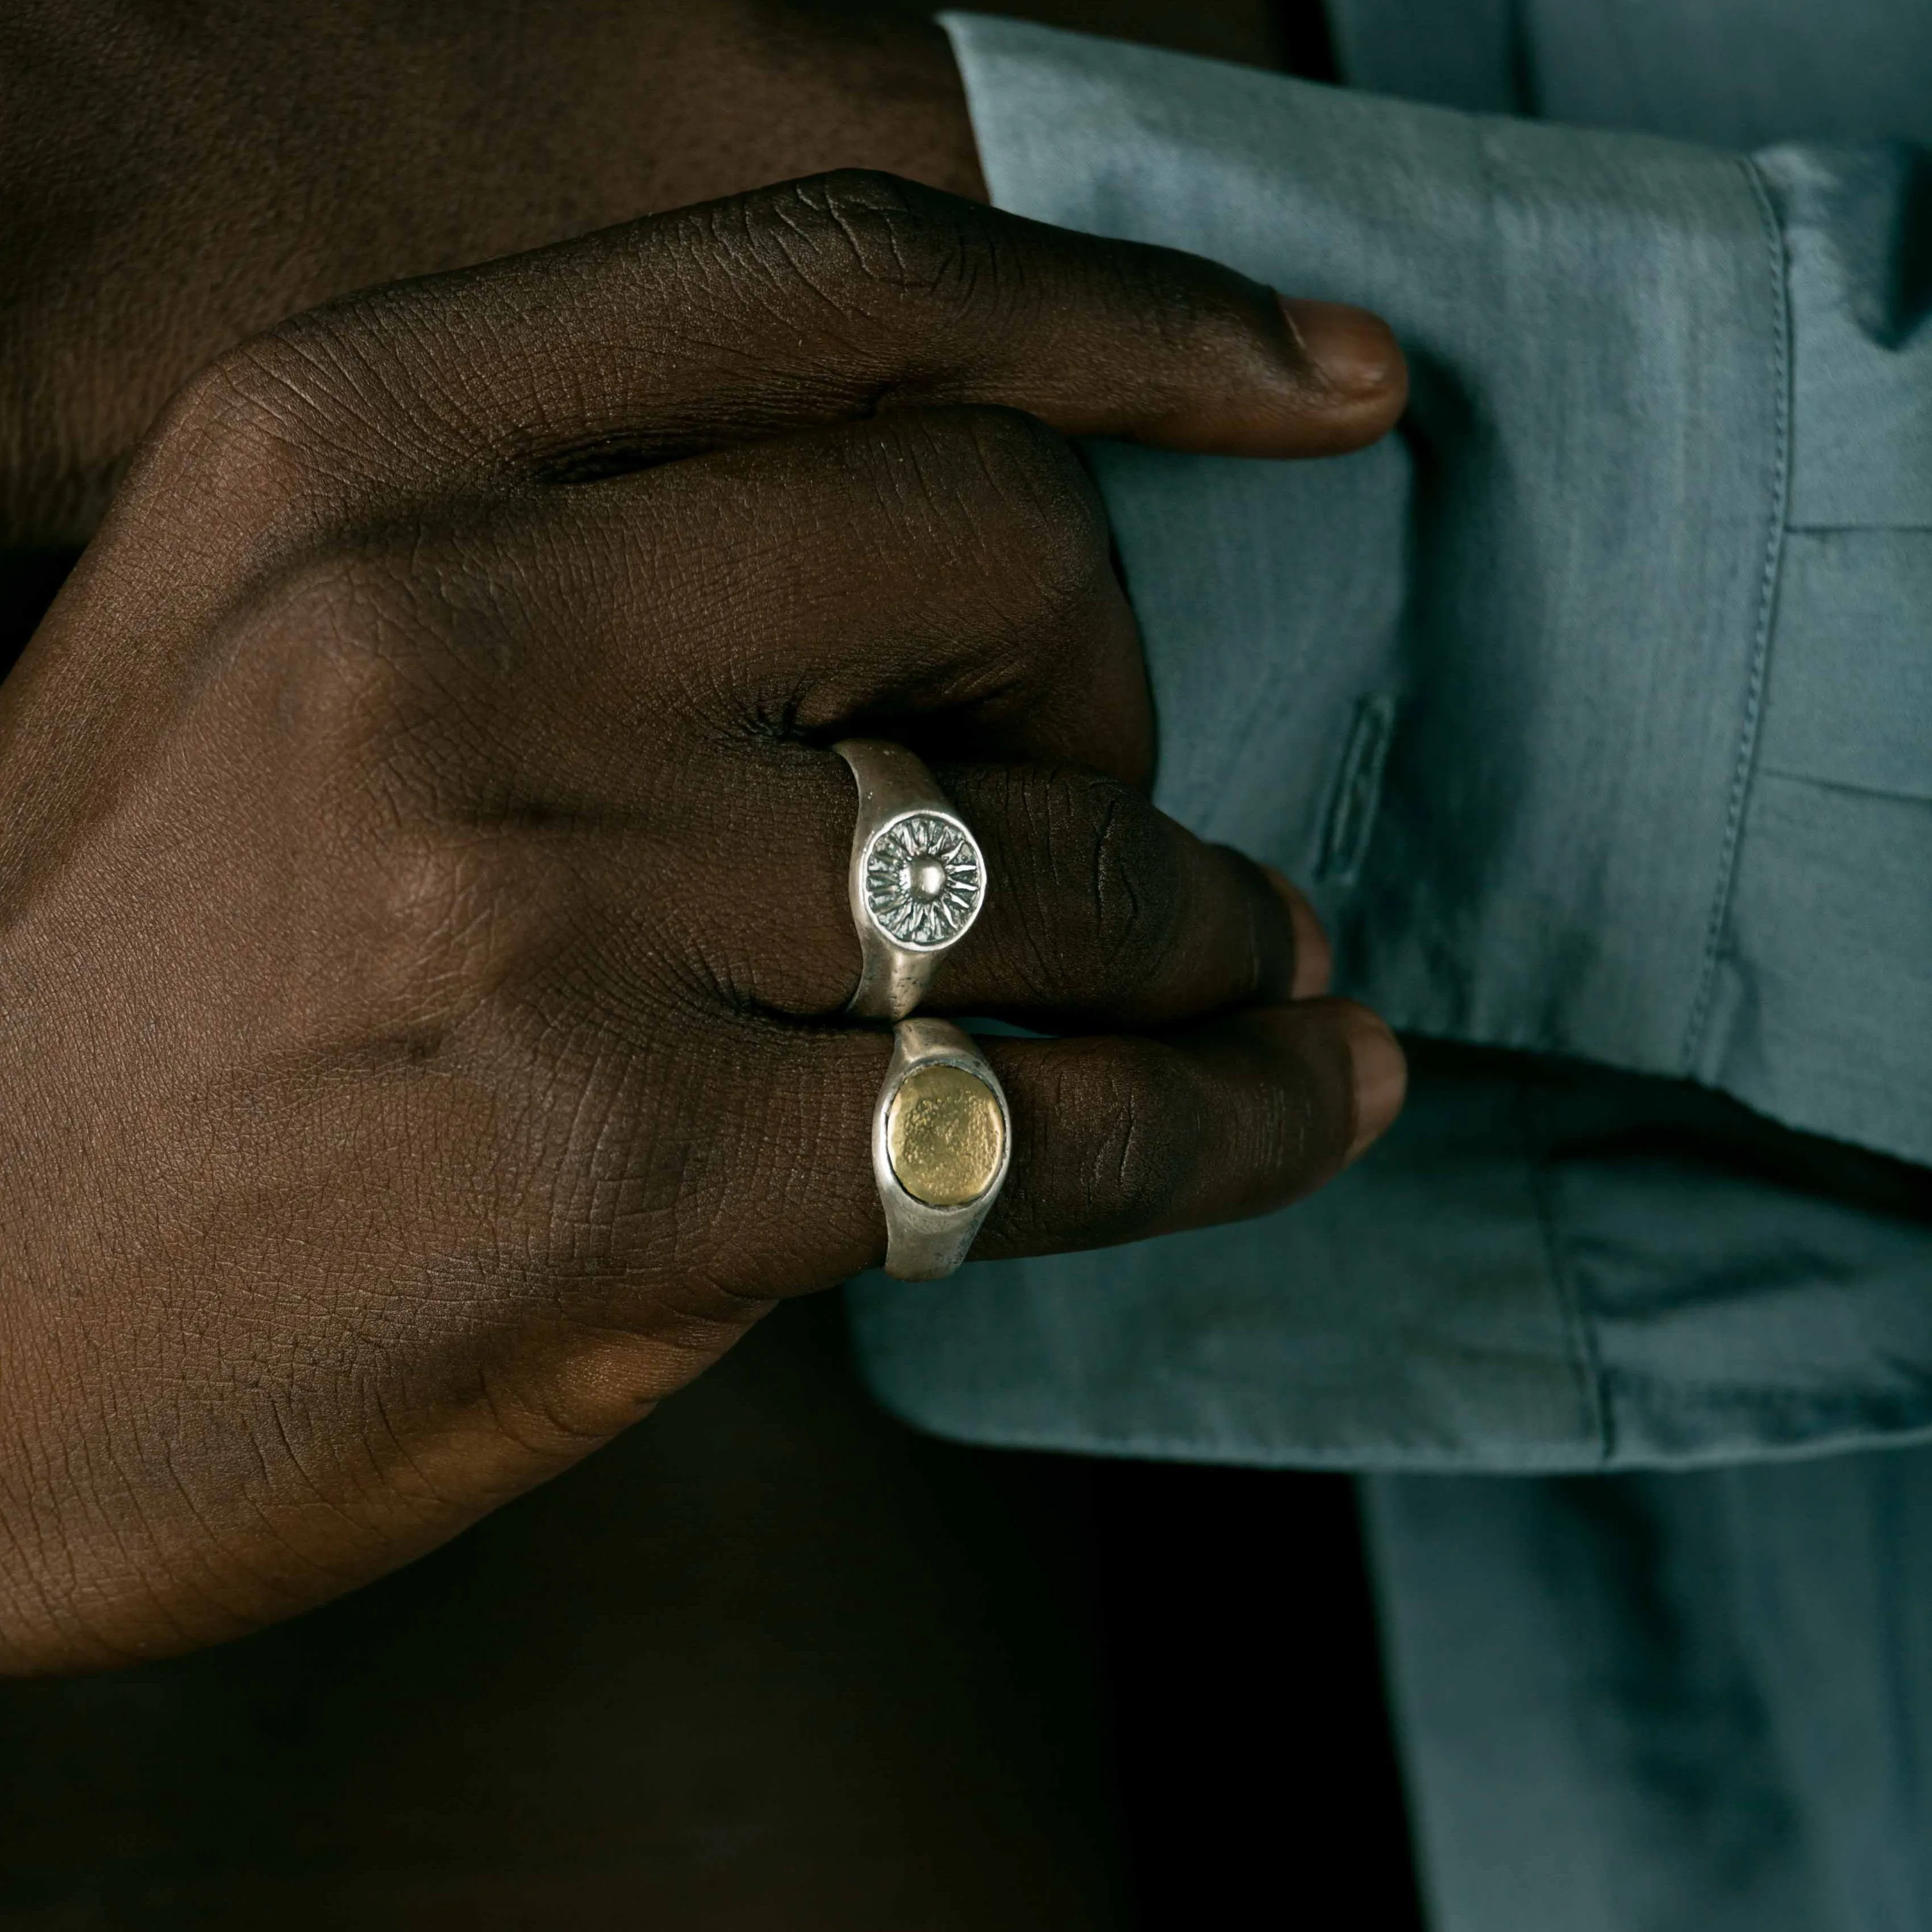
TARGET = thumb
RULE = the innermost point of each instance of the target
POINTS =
(815, 302)
(1100, 337)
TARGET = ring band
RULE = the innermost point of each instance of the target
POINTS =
(942, 1138)
(917, 879)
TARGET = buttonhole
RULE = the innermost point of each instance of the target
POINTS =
(1351, 820)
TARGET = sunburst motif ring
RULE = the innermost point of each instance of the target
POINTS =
(923, 880)
(917, 878)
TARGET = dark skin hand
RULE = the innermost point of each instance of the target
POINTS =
(424, 934)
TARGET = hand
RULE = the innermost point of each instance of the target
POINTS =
(177, 176)
(422, 909)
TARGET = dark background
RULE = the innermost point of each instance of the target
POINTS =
(771, 1662)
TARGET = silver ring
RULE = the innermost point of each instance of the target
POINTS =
(942, 1138)
(917, 879)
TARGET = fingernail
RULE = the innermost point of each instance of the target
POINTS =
(1314, 957)
(1382, 1078)
(1355, 352)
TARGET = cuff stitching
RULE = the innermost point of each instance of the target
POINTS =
(1585, 1358)
(1754, 682)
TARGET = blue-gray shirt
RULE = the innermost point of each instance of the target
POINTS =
(1595, 709)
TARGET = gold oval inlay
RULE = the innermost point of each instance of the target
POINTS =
(945, 1135)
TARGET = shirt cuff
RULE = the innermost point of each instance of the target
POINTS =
(1516, 692)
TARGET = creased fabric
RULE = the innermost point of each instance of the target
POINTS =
(1594, 711)
(1665, 1703)
(1636, 621)
(1642, 368)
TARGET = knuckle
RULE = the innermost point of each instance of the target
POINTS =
(1142, 1158)
(842, 196)
(1137, 916)
(876, 247)
(448, 921)
(874, 229)
(218, 438)
(368, 724)
(339, 651)
(1035, 468)
(1115, 945)
(322, 416)
(253, 422)
(1013, 489)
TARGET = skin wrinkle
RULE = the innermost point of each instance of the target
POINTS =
(249, 1556)
(131, 1542)
(1113, 887)
(1131, 1161)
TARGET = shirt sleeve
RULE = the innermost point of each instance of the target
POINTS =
(1596, 707)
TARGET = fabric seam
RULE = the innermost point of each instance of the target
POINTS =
(1582, 1337)
(1408, 1459)
(1740, 776)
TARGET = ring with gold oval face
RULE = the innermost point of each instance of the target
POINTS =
(942, 1138)
(917, 879)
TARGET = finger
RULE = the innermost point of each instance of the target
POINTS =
(1102, 911)
(1114, 1138)
(1314, 955)
(816, 301)
(942, 575)
(987, 589)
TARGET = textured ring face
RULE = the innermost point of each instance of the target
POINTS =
(946, 1135)
(924, 880)
(941, 1139)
